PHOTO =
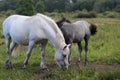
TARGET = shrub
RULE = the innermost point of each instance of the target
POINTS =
(85, 14)
(110, 14)
(26, 8)
(6, 13)
(9, 12)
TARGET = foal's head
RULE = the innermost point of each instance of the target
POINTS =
(60, 23)
(93, 29)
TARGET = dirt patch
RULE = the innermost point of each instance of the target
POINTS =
(99, 67)
(104, 66)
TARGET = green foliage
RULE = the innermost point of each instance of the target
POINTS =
(96, 5)
(8, 5)
(40, 7)
(110, 14)
(85, 14)
(55, 4)
(26, 7)
(117, 9)
(62, 5)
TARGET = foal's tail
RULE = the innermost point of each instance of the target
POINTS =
(93, 29)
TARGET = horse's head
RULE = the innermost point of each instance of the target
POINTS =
(61, 57)
(60, 23)
(93, 29)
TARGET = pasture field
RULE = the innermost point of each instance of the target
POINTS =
(103, 57)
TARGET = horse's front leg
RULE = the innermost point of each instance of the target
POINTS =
(69, 41)
(79, 50)
(30, 47)
(86, 50)
(42, 64)
(9, 51)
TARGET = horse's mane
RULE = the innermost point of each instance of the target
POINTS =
(55, 27)
(50, 21)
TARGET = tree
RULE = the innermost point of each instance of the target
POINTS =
(26, 7)
(55, 5)
(8, 5)
(117, 9)
(40, 7)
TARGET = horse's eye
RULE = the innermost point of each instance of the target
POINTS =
(64, 55)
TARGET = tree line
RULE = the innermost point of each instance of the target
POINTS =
(29, 7)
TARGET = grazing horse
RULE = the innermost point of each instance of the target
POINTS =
(76, 32)
(30, 30)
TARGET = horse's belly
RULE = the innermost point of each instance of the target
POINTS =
(20, 40)
(19, 37)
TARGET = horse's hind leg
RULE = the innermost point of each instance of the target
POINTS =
(43, 46)
(79, 50)
(30, 47)
(9, 51)
(8, 62)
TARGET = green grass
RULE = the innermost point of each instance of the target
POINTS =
(103, 58)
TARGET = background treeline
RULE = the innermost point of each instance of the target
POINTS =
(88, 7)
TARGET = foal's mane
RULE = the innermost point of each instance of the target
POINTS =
(59, 23)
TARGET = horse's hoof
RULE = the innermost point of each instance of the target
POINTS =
(85, 64)
(24, 67)
(44, 68)
(9, 67)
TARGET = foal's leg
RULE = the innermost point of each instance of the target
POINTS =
(43, 46)
(8, 62)
(30, 47)
(79, 50)
(86, 49)
(69, 59)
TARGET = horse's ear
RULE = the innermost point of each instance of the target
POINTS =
(64, 47)
(69, 45)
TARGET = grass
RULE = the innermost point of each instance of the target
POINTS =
(103, 57)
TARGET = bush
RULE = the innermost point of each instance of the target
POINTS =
(85, 14)
(7, 13)
(110, 14)
(26, 8)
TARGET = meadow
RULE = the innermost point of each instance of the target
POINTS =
(103, 57)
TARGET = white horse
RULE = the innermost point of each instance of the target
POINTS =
(28, 30)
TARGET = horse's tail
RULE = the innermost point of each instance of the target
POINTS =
(93, 29)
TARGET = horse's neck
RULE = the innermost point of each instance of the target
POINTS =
(54, 34)
(58, 42)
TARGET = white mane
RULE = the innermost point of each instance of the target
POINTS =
(59, 34)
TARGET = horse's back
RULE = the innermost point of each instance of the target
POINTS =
(24, 28)
(82, 27)
(12, 20)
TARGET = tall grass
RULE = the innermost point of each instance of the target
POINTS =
(103, 57)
